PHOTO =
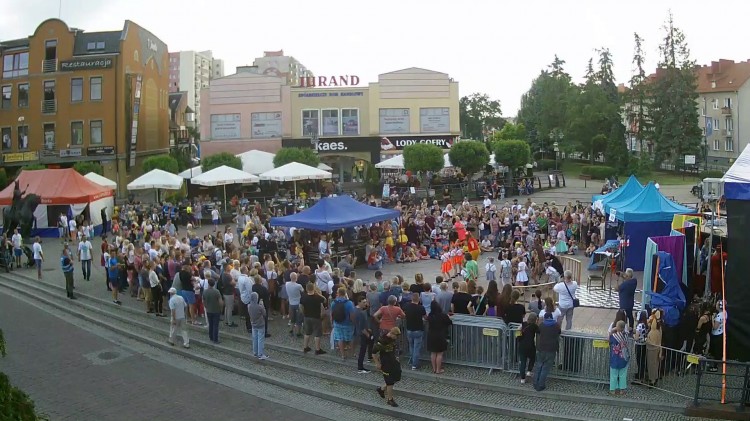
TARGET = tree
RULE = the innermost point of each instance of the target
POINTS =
(16, 404)
(478, 113)
(3, 179)
(469, 155)
(183, 158)
(423, 157)
(639, 123)
(511, 131)
(85, 167)
(301, 155)
(673, 98)
(33, 167)
(161, 162)
(219, 159)
(512, 153)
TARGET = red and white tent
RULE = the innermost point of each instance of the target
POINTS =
(62, 191)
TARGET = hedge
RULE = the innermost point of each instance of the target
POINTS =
(598, 172)
(545, 164)
(711, 174)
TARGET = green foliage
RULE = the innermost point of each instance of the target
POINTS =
(222, 158)
(636, 98)
(183, 158)
(161, 162)
(598, 172)
(33, 167)
(372, 180)
(423, 157)
(511, 131)
(4, 181)
(640, 166)
(512, 153)
(175, 196)
(469, 155)
(16, 405)
(301, 155)
(711, 174)
(85, 167)
(546, 164)
(478, 113)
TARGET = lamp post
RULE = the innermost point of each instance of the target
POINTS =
(705, 150)
(557, 149)
(556, 135)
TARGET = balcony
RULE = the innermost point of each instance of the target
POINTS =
(726, 110)
(49, 66)
(49, 106)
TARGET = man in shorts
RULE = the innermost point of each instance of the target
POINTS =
(387, 362)
(311, 306)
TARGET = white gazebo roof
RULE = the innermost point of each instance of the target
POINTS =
(156, 179)
(294, 171)
(393, 163)
(191, 172)
(101, 180)
(324, 167)
(256, 162)
(224, 175)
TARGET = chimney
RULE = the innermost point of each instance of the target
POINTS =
(715, 67)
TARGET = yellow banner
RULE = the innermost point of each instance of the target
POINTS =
(490, 332)
(20, 157)
(601, 343)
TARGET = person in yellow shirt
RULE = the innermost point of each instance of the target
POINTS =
(389, 244)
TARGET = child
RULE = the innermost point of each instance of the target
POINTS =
(389, 245)
(446, 266)
(490, 269)
(505, 270)
(522, 278)
(411, 254)
(434, 251)
(423, 253)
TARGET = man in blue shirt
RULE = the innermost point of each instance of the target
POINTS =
(67, 268)
(626, 290)
(343, 317)
(114, 276)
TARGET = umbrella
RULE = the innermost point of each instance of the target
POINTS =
(222, 176)
(295, 171)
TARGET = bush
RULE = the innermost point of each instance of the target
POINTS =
(423, 157)
(219, 159)
(512, 153)
(85, 167)
(161, 162)
(598, 172)
(639, 166)
(546, 164)
(33, 167)
(469, 155)
(711, 174)
(301, 155)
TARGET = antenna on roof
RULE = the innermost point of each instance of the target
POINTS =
(59, 10)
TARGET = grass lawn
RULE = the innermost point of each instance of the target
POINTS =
(573, 169)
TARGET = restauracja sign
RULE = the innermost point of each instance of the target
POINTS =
(328, 81)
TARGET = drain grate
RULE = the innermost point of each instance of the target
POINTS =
(107, 356)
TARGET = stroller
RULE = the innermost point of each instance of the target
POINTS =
(29, 257)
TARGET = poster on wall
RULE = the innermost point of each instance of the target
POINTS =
(350, 125)
(265, 125)
(330, 125)
(225, 126)
(394, 120)
(7, 141)
(434, 120)
(310, 124)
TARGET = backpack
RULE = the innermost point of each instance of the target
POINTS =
(339, 312)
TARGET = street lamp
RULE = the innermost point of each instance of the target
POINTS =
(705, 150)
(557, 149)
(556, 135)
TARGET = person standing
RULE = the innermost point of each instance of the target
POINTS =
(342, 317)
(257, 312)
(387, 362)
(113, 271)
(526, 343)
(547, 346)
(62, 227)
(156, 291)
(245, 286)
(85, 255)
(415, 317)
(73, 230)
(212, 301)
(38, 256)
(363, 333)
(619, 357)
(311, 306)
(654, 351)
(294, 293)
(226, 287)
(177, 308)
(17, 241)
(67, 268)
(716, 344)
(566, 291)
(439, 324)
(215, 218)
(626, 290)
(105, 221)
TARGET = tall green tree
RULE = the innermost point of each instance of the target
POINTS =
(673, 99)
(161, 162)
(469, 155)
(511, 131)
(616, 151)
(478, 113)
(637, 98)
(423, 157)
(513, 153)
(302, 155)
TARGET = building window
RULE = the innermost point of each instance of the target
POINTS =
(434, 120)
(394, 121)
(716, 144)
(23, 95)
(15, 65)
(76, 133)
(23, 137)
(330, 122)
(715, 103)
(350, 121)
(95, 88)
(717, 126)
(728, 103)
(729, 145)
(265, 125)
(49, 137)
(310, 123)
(95, 132)
(76, 89)
(6, 98)
(729, 124)
(7, 138)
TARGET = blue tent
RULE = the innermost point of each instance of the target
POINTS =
(332, 213)
(631, 188)
(647, 206)
(737, 179)
(671, 299)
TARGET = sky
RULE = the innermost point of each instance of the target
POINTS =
(490, 46)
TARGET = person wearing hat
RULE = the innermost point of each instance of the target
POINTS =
(177, 309)
(386, 361)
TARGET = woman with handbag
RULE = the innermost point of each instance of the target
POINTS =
(566, 291)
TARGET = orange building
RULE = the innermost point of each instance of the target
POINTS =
(68, 95)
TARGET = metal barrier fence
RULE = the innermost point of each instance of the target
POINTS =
(727, 387)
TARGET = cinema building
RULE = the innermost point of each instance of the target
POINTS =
(348, 123)
(70, 95)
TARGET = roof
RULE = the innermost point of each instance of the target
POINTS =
(14, 43)
(69, 187)
(110, 40)
(737, 179)
(647, 206)
(727, 75)
(174, 101)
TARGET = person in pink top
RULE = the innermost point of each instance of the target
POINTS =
(460, 230)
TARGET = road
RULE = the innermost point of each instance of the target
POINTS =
(73, 374)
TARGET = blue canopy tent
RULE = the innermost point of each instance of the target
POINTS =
(332, 213)
(631, 188)
(644, 215)
(671, 299)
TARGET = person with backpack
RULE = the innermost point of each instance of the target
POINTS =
(342, 315)
(527, 346)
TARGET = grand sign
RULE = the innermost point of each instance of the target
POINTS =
(86, 63)
(390, 143)
(328, 81)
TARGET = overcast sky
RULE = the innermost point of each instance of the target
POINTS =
(491, 46)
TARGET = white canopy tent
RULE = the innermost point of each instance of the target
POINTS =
(397, 163)
(156, 179)
(324, 167)
(256, 162)
(222, 176)
(295, 171)
(191, 172)
(101, 180)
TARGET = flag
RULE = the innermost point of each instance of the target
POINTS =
(709, 126)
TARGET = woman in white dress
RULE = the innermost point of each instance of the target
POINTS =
(522, 278)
